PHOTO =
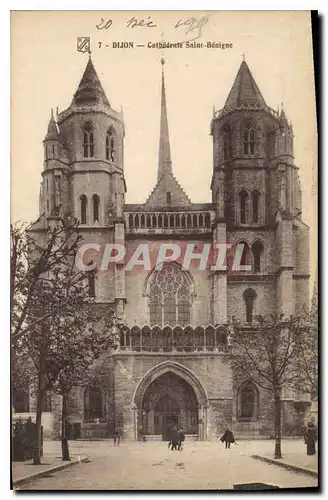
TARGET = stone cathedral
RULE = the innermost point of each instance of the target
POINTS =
(173, 365)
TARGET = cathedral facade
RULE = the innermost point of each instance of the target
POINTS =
(173, 364)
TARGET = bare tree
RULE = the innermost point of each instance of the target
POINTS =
(33, 258)
(74, 356)
(307, 362)
(267, 355)
(49, 299)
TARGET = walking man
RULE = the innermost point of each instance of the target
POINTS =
(227, 438)
(116, 437)
(174, 439)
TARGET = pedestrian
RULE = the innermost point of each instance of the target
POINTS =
(227, 438)
(181, 437)
(311, 436)
(116, 437)
(174, 439)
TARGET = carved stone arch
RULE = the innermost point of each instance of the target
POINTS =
(161, 369)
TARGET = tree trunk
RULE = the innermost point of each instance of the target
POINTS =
(39, 406)
(64, 441)
(277, 423)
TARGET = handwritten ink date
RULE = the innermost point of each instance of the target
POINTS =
(192, 24)
(134, 22)
(104, 25)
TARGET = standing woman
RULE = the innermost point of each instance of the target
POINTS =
(311, 436)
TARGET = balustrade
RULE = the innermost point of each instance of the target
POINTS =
(168, 220)
(173, 339)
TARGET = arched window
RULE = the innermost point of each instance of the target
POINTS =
(243, 199)
(246, 259)
(170, 297)
(249, 141)
(226, 142)
(93, 403)
(255, 205)
(257, 251)
(83, 208)
(168, 198)
(53, 151)
(247, 403)
(249, 298)
(110, 145)
(88, 141)
(96, 204)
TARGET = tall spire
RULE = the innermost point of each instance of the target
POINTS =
(164, 156)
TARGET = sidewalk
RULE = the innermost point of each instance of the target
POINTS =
(294, 461)
(51, 461)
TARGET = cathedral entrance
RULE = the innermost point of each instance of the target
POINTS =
(169, 401)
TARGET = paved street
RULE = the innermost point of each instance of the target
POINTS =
(201, 465)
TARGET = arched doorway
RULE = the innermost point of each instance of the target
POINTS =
(169, 401)
(170, 394)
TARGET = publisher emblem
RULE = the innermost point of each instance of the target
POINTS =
(83, 44)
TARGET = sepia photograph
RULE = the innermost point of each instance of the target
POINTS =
(164, 251)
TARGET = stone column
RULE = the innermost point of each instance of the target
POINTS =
(220, 280)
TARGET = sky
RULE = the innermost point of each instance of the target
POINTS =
(46, 69)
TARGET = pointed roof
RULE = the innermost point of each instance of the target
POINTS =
(52, 132)
(90, 90)
(244, 90)
(164, 154)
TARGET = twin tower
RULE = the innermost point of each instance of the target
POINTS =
(256, 195)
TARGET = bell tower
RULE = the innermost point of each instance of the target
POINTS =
(85, 144)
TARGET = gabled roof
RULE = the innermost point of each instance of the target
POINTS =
(90, 90)
(167, 184)
(244, 90)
